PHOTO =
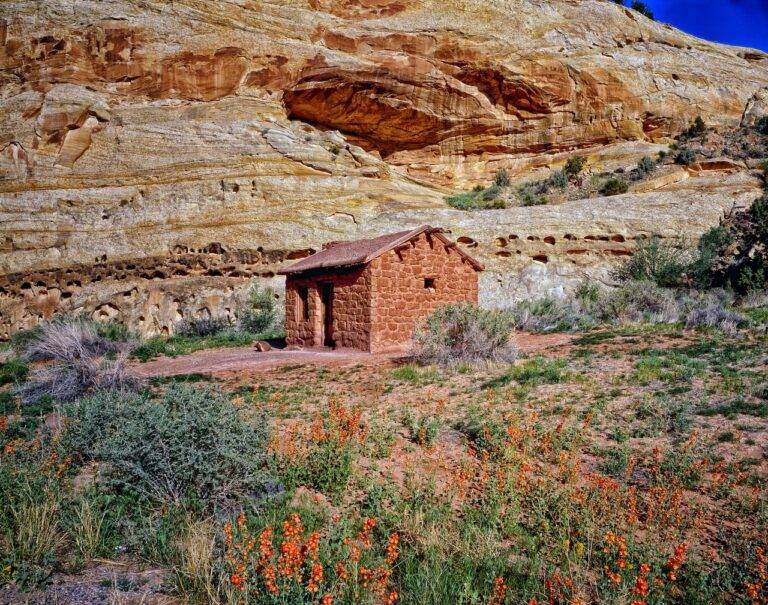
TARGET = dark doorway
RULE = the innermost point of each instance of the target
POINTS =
(326, 295)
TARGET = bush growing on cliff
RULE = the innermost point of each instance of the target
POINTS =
(642, 8)
(614, 186)
(735, 254)
(664, 264)
(464, 333)
(575, 165)
(685, 156)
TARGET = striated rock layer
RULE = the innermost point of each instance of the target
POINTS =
(156, 156)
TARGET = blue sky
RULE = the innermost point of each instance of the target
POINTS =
(740, 22)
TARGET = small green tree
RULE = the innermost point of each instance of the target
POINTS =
(685, 156)
(502, 178)
(614, 186)
(655, 261)
(575, 165)
(258, 313)
(642, 8)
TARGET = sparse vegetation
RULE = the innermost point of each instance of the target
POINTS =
(685, 156)
(657, 261)
(614, 186)
(464, 333)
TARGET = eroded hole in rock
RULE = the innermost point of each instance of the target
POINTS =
(570, 237)
(467, 241)
(501, 242)
(549, 240)
(297, 254)
(618, 238)
(513, 237)
(616, 252)
(577, 251)
(533, 238)
(504, 253)
(542, 258)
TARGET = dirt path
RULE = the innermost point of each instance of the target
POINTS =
(213, 361)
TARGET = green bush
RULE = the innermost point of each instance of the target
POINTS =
(685, 156)
(13, 371)
(638, 301)
(761, 125)
(709, 245)
(480, 198)
(646, 165)
(202, 326)
(189, 444)
(653, 260)
(258, 314)
(559, 179)
(734, 254)
(642, 8)
(465, 333)
(502, 178)
(614, 186)
(697, 128)
(575, 165)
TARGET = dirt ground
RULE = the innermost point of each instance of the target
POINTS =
(238, 359)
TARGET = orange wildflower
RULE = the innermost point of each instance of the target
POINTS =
(499, 592)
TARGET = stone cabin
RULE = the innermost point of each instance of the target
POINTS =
(369, 294)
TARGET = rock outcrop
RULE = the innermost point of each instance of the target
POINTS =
(140, 137)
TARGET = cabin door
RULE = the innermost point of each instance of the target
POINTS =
(326, 296)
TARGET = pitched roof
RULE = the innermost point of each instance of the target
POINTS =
(363, 251)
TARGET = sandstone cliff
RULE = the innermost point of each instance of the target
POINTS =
(155, 156)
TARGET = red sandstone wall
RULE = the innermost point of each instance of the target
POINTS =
(351, 309)
(400, 299)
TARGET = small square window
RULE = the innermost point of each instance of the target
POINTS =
(429, 283)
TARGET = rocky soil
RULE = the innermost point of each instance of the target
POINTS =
(156, 156)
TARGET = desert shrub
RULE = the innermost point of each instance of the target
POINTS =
(575, 165)
(532, 195)
(559, 179)
(550, 314)
(697, 128)
(638, 301)
(202, 326)
(734, 254)
(707, 250)
(645, 166)
(69, 380)
(114, 331)
(662, 263)
(188, 444)
(642, 8)
(614, 186)
(64, 340)
(761, 125)
(424, 428)
(713, 315)
(502, 178)
(13, 371)
(464, 333)
(82, 362)
(258, 313)
(491, 193)
(685, 156)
